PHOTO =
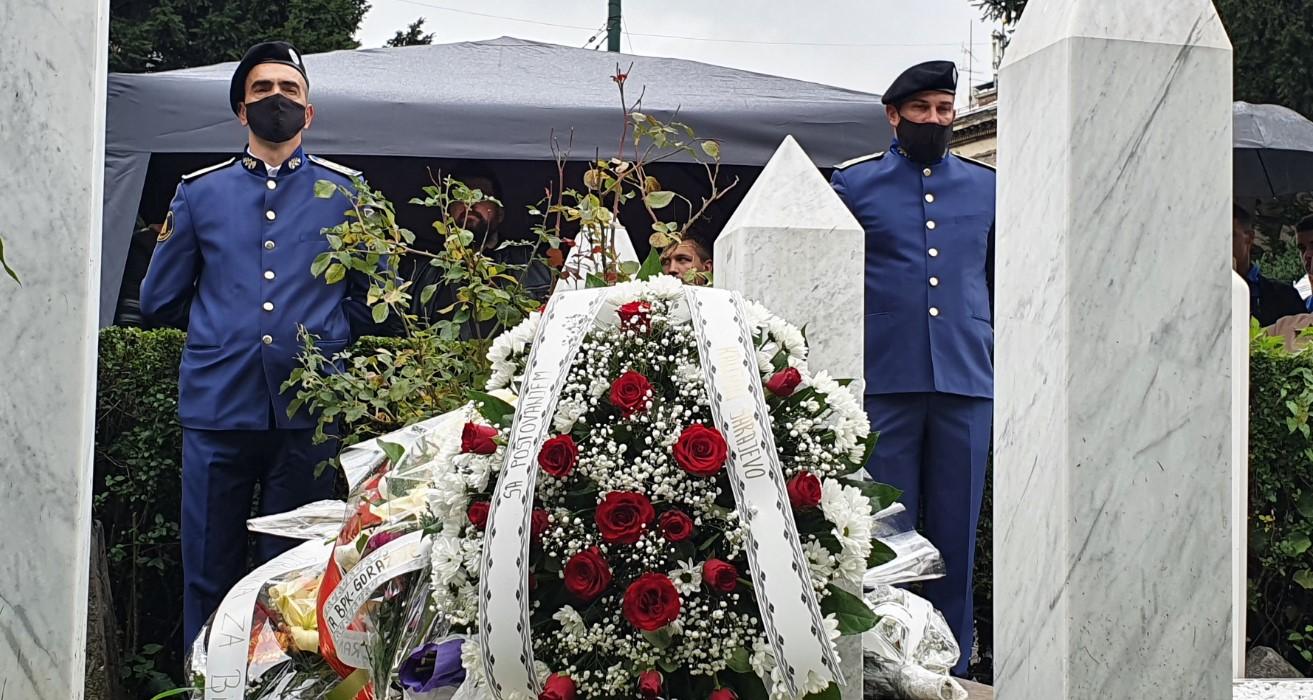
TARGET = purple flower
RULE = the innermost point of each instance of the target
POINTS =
(433, 666)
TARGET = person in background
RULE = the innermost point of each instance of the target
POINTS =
(929, 221)
(691, 259)
(1269, 300)
(483, 219)
(234, 255)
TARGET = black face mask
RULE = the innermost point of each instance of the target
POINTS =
(275, 118)
(924, 143)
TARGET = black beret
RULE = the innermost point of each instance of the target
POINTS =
(267, 52)
(939, 76)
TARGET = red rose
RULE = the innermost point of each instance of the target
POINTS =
(720, 575)
(587, 574)
(478, 439)
(676, 526)
(629, 393)
(700, 450)
(783, 382)
(538, 523)
(557, 687)
(651, 602)
(804, 490)
(622, 516)
(722, 694)
(478, 514)
(649, 684)
(558, 456)
(636, 315)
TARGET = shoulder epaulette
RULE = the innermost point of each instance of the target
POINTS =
(860, 159)
(335, 167)
(981, 163)
(193, 175)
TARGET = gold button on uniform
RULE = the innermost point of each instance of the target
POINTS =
(268, 306)
(270, 215)
(926, 172)
(268, 245)
(929, 198)
(270, 184)
(934, 312)
(934, 281)
(267, 340)
(268, 274)
(930, 225)
(934, 252)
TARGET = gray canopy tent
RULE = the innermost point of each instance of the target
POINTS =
(495, 100)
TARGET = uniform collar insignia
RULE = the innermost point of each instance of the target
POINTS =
(294, 163)
(249, 163)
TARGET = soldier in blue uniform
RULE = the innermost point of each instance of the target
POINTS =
(929, 222)
(233, 258)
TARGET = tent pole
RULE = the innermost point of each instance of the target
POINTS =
(613, 26)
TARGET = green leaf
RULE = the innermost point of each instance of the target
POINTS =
(651, 265)
(492, 408)
(427, 293)
(1305, 505)
(320, 264)
(1304, 578)
(880, 554)
(711, 148)
(853, 614)
(172, 693)
(831, 692)
(740, 661)
(629, 268)
(867, 450)
(749, 686)
(659, 199)
(660, 639)
(595, 281)
(1298, 543)
(324, 189)
(393, 451)
(380, 313)
(336, 273)
(882, 495)
(8, 270)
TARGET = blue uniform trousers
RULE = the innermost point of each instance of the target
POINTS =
(934, 448)
(220, 469)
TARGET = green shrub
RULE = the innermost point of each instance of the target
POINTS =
(1281, 500)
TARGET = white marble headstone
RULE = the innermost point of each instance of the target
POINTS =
(1113, 425)
(52, 127)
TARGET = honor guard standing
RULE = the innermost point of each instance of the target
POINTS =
(929, 222)
(234, 256)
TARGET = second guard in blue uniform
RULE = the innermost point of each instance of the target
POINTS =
(929, 222)
(233, 259)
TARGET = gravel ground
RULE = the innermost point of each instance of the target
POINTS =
(1273, 690)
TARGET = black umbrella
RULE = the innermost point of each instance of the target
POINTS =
(1273, 151)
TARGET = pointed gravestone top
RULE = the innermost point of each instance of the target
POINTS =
(1186, 23)
(791, 193)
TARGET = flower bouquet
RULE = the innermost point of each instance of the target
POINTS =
(664, 513)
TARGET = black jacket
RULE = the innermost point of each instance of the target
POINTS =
(1275, 301)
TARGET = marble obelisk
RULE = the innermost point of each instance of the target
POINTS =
(1112, 461)
(793, 246)
(52, 130)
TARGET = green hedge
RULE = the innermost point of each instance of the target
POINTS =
(1281, 501)
(138, 451)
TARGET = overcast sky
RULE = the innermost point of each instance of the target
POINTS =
(858, 44)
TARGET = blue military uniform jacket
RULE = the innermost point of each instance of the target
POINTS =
(237, 246)
(929, 271)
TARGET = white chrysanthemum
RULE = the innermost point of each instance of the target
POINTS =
(571, 622)
(687, 578)
(568, 412)
(541, 672)
(791, 337)
(471, 657)
(507, 351)
(665, 287)
(846, 418)
(762, 660)
(447, 560)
